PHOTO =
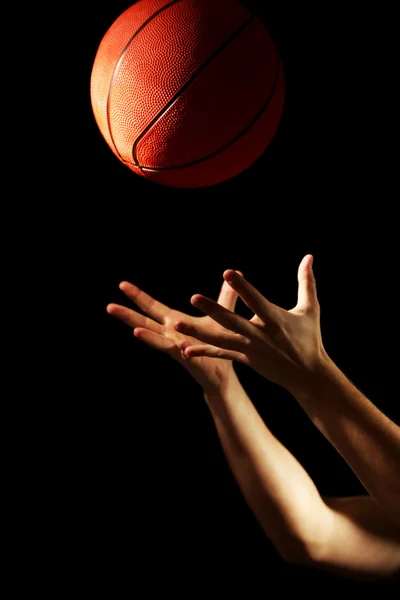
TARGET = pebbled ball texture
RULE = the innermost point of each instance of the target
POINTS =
(187, 93)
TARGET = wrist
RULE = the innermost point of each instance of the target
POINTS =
(317, 378)
(310, 380)
(225, 391)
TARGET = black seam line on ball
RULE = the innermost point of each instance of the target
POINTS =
(178, 94)
(121, 58)
(241, 134)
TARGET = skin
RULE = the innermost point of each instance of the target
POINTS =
(286, 347)
(355, 537)
(157, 331)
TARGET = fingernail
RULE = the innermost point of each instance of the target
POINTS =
(179, 326)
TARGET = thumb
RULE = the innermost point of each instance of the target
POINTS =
(307, 293)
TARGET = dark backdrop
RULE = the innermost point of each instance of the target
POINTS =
(151, 496)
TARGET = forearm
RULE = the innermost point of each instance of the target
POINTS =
(277, 489)
(365, 437)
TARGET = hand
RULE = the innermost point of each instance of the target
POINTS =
(283, 346)
(157, 331)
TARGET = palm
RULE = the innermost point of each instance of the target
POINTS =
(202, 368)
(156, 328)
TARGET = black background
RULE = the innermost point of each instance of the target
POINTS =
(151, 498)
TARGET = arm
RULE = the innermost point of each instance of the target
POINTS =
(280, 493)
(361, 541)
(353, 537)
(305, 531)
(365, 437)
(286, 348)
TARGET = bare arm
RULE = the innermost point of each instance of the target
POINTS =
(277, 489)
(286, 348)
(361, 541)
(353, 537)
(364, 436)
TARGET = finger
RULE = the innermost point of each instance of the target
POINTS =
(183, 344)
(224, 317)
(154, 340)
(152, 307)
(251, 296)
(307, 292)
(214, 352)
(132, 318)
(223, 339)
(228, 297)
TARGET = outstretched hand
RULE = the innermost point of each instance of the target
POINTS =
(157, 331)
(283, 346)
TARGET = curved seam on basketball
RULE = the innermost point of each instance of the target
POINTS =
(177, 96)
(122, 56)
(237, 137)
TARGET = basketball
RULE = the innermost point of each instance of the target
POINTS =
(187, 93)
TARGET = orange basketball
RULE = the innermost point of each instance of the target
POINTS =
(187, 93)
